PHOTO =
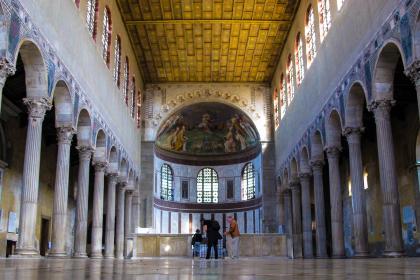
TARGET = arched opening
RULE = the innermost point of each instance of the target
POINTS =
(396, 154)
(248, 182)
(100, 147)
(166, 183)
(207, 186)
(29, 81)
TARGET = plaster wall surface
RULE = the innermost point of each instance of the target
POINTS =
(337, 53)
(64, 27)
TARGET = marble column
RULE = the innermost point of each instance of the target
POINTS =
(6, 69)
(353, 136)
(321, 242)
(388, 177)
(305, 183)
(128, 212)
(37, 108)
(85, 154)
(127, 219)
(110, 216)
(135, 215)
(336, 202)
(288, 213)
(281, 211)
(61, 189)
(119, 239)
(98, 210)
(297, 218)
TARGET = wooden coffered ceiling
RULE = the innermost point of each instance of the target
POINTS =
(207, 40)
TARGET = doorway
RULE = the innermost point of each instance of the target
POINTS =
(45, 233)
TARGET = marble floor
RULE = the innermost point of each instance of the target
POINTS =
(183, 268)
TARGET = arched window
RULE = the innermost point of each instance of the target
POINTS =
(290, 80)
(248, 182)
(106, 36)
(117, 61)
(283, 101)
(300, 68)
(310, 36)
(324, 17)
(207, 186)
(276, 108)
(126, 81)
(166, 180)
(91, 16)
(133, 97)
(340, 4)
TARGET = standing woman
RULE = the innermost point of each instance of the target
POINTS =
(233, 238)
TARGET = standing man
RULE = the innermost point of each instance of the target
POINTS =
(213, 228)
(233, 237)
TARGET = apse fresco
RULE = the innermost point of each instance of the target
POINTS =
(207, 129)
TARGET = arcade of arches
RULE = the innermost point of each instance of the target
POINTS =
(124, 124)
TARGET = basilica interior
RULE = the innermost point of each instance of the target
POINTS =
(126, 123)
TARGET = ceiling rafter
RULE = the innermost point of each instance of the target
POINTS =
(207, 40)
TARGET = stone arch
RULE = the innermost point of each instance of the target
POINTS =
(100, 146)
(304, 166)
(333, 129)
(84, 128)
(113, 160)
(317, 146)
(383, 79)
(63, 105)
(36, 73)
(356, 101)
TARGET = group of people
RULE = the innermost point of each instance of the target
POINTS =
(212, 227)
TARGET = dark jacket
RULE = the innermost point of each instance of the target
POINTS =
(212, 233)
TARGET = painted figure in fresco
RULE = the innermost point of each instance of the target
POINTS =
(179, 139)
(205, 123)
(207, 129)
(230, 145)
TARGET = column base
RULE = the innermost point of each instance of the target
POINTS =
(308, 257)
(393, 254)
(58, 256)
(96, 256)
(80, 256)
(109, 257)
(26, 253)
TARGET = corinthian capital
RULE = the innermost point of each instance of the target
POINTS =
(37, 107)
(317, 163)
(333, 151)
(349, 131)
(382, 106)
(6, 69)
(100, 166)
(65, 135)
(413, 72)
(85, 152)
